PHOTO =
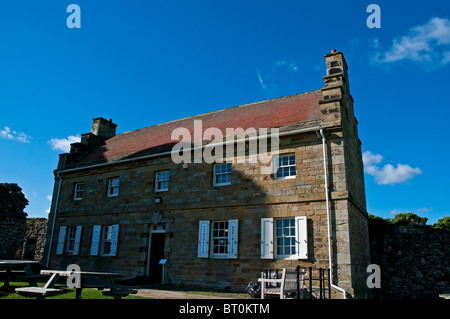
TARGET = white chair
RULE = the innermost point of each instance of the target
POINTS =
(283, 286)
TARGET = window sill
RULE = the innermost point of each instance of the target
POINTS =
(287, 258)
(285, 177)
(220, 185)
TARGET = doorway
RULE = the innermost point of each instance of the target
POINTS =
(156, 254)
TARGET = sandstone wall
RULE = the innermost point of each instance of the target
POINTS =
(191, 198)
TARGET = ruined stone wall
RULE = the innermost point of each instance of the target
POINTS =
(414, 260)
(34, 241)
(12, 220)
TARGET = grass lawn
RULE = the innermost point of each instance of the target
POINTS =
(69, 293)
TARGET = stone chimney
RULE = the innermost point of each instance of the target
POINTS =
(101, 130)
(336, 70)
(336, 93)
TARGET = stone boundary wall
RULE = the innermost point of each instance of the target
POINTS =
(414, 260)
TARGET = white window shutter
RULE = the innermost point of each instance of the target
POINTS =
(95, 240)
(114, 240)
(301, 231)
(203, 239)
(61, 240)
(233, 231)
(275, 165)
(266, 238)
(76, 247)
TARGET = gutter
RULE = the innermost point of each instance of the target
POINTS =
(305, 130)
(54, 220)
(328, 214)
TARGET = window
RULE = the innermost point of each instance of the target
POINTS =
(113, 187)
(285, 167)
(105, 240)
(219, 239)
(69, 240)
(71, 231)
(162, 181)
(223, 242)
(79, 190)
(285, 235)
(284, 238)
(222, 174)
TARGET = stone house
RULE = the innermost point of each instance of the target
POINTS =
(121, 203)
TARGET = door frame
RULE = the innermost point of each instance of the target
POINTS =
(149, 250)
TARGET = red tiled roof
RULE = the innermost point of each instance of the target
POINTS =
(279, 112)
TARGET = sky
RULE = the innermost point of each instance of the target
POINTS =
(142, 63)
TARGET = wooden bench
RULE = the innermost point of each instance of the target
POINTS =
(39, 292)
(119, 293)
(283, 286)
(31, 277)
(12, 272)
(25, 275)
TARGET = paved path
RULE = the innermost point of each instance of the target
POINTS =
(165, 294)
(169, 294)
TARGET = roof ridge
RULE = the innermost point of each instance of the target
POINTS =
(221, 110)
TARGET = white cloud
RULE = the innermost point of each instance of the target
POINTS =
(369, 158)
(293, 66)
(388, 174)
(417, 211)
(272, 79)
(49, 197)
(427, 44)
(14, 135)
(424, 210)
(63, 144)
(397, 211)
(261, 81)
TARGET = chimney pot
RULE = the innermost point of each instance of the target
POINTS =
(333, 51)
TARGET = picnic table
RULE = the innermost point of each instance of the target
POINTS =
(106, 277)
(9, 264)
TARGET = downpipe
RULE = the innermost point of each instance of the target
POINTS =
(325, 167)
(54, 221)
